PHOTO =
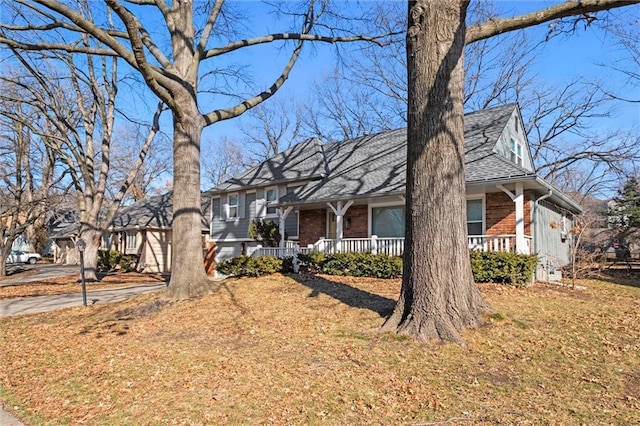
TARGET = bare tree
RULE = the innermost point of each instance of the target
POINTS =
(27, 179)
(270, 129)
(223, 161)
(343, 110)
(439, 298)
(198, 36)
(128, 143)
(80, 110)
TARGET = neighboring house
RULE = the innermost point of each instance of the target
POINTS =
(143, 229)
(64, 227)
(350, 196)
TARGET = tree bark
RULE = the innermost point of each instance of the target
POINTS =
(439, 298)
(188, 276)
(92, 237)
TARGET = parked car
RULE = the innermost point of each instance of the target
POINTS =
(17, 256)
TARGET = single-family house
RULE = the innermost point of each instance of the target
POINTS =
(350, 196)
(143, 229)
(64, 227)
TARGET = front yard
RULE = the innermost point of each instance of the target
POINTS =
(306, 350)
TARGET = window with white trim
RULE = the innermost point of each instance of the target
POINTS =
(131, 240)
(232, 206)
(515, 149)
(388, 221)
(475, 223)
(271, 196)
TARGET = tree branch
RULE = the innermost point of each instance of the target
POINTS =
(293, 36)
(497, 26)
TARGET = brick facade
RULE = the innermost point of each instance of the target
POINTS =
(313, 225)
(356, 222)
(500, 218)
(500, 213)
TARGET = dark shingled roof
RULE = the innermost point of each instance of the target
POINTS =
(153, 212)
(302, 161)
(376, 165)
(63, 224)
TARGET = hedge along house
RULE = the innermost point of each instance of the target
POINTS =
(143, 229)
(350, 196)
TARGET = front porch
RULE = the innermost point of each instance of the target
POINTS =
(390, 246)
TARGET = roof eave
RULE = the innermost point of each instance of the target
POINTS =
(557, 194)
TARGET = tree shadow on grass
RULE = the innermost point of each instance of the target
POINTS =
(622, 276)
(346, 294)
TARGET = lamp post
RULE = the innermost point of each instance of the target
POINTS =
(81, 245)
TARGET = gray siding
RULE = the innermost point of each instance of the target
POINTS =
(238, 228)
(515, 131)
(553, 251)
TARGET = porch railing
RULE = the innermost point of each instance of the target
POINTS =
(504, 243)
(391, 246)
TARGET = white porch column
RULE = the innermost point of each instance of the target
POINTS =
(518, 199)
(521, 243)
(339, 211)
(282, 216)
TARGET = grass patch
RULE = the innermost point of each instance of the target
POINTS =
(279, 350)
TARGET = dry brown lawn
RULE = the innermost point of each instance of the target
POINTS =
(306, 350)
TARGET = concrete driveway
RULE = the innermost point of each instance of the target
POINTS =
(42, 272)
(36, 304)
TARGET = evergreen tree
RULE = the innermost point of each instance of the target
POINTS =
(624, 213)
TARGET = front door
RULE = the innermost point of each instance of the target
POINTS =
(331, 225)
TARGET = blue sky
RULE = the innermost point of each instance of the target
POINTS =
(560, 61)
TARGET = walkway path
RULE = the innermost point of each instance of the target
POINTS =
(35, 304)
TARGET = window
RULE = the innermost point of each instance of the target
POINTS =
(388, 221)
(475, 224)
(232, 210)
(132, 239)
(271, 197)
(516, 152)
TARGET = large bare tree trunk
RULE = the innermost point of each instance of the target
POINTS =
(439, 298)
(90, 255)
(188, 277)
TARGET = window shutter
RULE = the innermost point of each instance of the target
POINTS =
(241, 205)
(261, 209)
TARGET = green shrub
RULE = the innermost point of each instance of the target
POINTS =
(266, 231)
(231, 267)
(127, 263)
(311, 262)
(499, 267)
(108, 259)
(362, 265)
(262, 265)
(250, 266)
